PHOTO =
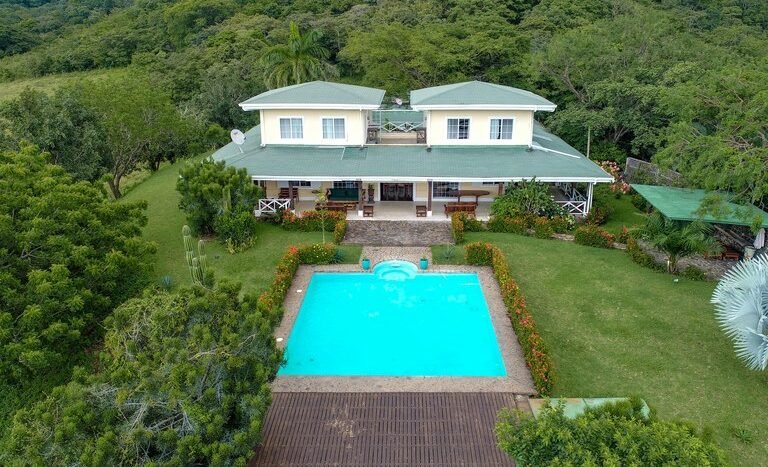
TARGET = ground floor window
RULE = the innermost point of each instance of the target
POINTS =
(444, 189)
(345, 184)
(302, 183)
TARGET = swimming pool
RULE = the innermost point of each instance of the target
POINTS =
(393, 322)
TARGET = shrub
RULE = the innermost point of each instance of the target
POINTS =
(591, 235)
(542, 228)
(598, 215)
(562, 224)
(471, 224)
(514, 225)
(612, 434)
(623, 235)
(236, 229)
(640, 203)
(695, 274)
(536, 356)
(312, 221)
(640, 257)
(457, 227)
(317, 253)
(526, 197)
(340, 231)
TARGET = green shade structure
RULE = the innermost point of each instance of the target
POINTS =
(682, 204)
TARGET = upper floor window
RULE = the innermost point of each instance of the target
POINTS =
(458, 128)
(501, 128)
(291, 128)
(333, 128)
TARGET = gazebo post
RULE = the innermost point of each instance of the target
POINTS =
(360, 198)
(590, 187)
(429, 198)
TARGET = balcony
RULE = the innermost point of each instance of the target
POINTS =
(396, 126)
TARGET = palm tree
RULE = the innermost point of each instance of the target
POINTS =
(678, 239)
(741, 307)
(302, 59)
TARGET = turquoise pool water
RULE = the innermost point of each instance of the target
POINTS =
(393, 322)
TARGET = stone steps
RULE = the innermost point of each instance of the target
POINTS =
(398, 233)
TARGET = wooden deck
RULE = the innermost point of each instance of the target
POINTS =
(376, 429)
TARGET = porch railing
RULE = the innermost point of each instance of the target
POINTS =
(272, 205)
(574, 207)
(571, 192)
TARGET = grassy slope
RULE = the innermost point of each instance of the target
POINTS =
(616, 329)
(624, 213)
(253, 267)
(50, 83)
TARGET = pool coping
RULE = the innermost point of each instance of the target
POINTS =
(518, 379)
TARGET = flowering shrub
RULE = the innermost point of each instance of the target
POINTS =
(598, 215)
(618, 185)
(457, 227)
(592, 235)
(542, 228)
(536, 356)
(313, 221)
(317, 253)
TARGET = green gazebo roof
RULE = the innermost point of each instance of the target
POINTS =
(683, 203)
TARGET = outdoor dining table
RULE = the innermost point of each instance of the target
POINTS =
(476, 193)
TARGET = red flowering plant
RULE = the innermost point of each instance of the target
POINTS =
(618, 185)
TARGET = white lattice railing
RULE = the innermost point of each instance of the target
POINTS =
(574, 207)
(571, 192)
(272, 205)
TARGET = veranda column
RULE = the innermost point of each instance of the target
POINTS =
(429, 198)
(589, 198)
(290, 195)
(360, 198)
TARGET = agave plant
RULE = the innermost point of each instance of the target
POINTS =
(741, 307)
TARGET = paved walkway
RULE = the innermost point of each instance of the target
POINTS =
(384, 429)
(413, 254)
(398, 233)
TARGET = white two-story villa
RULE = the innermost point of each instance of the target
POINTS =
(467, 140)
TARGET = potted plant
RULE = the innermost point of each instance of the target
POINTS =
(366, 263)
(423, 263)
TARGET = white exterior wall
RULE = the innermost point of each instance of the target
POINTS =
(479, 127)
(356, 127)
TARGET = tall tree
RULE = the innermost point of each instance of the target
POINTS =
(68, 255)
(304, 58)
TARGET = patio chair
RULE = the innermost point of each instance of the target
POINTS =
(421, 211)
(368, 210)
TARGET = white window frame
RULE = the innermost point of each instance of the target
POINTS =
(344, 184)
(298, 184)
(280, 129)
(458, 140)
(502, 141)
(322, 128)
(443, 198)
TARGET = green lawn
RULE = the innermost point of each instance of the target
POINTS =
(254, 267)
(50, 83)
(624, 213)
(617, 329)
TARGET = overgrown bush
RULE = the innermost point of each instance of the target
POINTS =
(592, 235)
(542, 228)
(317, 253)
(209, 188)
(514, 225)
(534, 351)
(640, 257)
(236, 229)
(612, 434)
(695, 274)
(312, 221)
(526, 197)
(457, 227)
(562, 224)
(598, 215)
(623, 235)
(340, 231)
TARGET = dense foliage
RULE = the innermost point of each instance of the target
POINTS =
(534, 350)
(183, 380)
(612, 434)
(678, 239)
(67, 257)
(525, 198)
(592, 235)
(209, 189)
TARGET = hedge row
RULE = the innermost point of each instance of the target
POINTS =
(270, 302)
(536, 356)
(313, 221)
(539, 226)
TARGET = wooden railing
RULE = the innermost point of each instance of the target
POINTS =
(574, 207)
(272, 205)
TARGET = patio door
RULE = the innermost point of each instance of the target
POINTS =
(397, 192)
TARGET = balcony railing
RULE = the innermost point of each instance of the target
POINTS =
(272, 205)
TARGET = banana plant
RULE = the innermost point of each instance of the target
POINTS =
(741, 308)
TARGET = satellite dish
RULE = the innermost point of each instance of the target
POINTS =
(398, 101)
(238, 137)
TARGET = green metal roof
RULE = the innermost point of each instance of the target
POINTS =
(476, 93)
(683, 203)
(547, 161)
(317, 93)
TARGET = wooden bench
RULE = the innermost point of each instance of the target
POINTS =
(421, 211)
(330, 207)
(368, 210)
(469, 208)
